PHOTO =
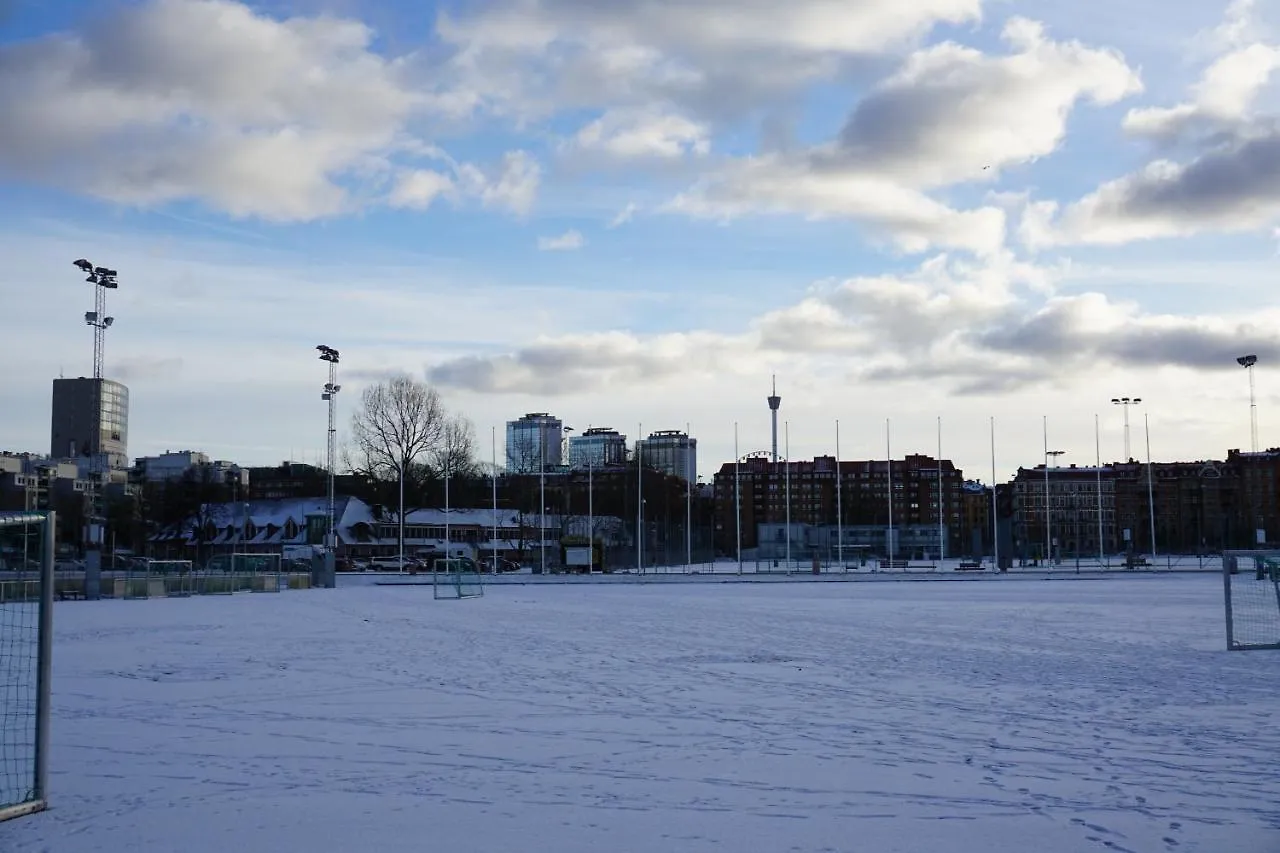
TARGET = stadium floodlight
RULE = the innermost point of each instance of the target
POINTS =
(84, 265)
(331, 388)
(1247, 362)
(1126, 402)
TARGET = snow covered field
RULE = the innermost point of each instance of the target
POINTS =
(1002, 715)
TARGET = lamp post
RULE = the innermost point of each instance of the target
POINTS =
(102, 279)
(1247, 362)
(330, 355)
(1126, 402)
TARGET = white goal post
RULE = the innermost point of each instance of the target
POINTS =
(1251, 589)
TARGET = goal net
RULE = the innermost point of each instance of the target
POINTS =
(256, 572)
(454, 578)
(156, 579)
(1251, 583)
(26, 645)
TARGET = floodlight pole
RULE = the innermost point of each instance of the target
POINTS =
(1247, 362)
(1126, 402)
(1048, 511)
(103, 279)
(330, 355)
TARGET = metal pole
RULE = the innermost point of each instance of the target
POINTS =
(1151, 500)
(403, 461)
(542, 496)
(44, 676)
(1253, 413)
(995, 508)
(332, 451)
(448, 549)
(942, 535)
(1097, 444)
(1128, 455)
(691, 468)
(787, 489)
(493, 443)
(591, 512)
(839, 504)
(737, 492)
(1048, 519)
(888, 455)
(639, 499)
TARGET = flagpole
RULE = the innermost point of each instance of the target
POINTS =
(839, 504)
(995, 512)
(888, 455)
(786, 425)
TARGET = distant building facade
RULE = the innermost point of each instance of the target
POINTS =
(672, 452)
(598, 447)
(533, 443)
(90, 418)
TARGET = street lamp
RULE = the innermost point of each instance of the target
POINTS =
(1247, 362)
(331, 388)
(1126, 402)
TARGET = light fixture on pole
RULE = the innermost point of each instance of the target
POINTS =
(1247, 362)
(1126, 402)
(102, 279)
(330, 355)
(1048, 509)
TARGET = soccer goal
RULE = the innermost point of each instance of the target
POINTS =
(26, 651)
(1251, 583)
(256, 572)
(156, 579)
(454, 578)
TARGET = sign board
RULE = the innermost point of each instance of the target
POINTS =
(1126, 534)
(1261, 534)
(577, 555)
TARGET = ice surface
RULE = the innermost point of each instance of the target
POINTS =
(1001, 715)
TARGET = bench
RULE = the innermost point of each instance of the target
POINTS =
(969, 566)
(71, 595)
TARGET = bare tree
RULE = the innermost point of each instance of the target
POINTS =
(401, 424)
(455, 454)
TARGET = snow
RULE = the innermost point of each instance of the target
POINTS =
(1003, 714)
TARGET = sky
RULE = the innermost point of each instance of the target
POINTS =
(920, 216)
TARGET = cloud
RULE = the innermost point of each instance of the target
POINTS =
(514, 188)
(712, 59)
(1220, 101)
(954, 114)
(647, 134)
(950, 115)
(1229, 183)
(985, 326)
(418, 188)
(566, 242)
(1234, 187)
(622, 217)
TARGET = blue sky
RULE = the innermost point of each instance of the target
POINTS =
(634, 213)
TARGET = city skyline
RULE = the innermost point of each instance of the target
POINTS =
(624, 221)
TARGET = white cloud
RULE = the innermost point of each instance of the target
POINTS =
(1230, 183)
(641, 134)
(1221, 100)
(418, 188)
(204, 99)
(951, 114)
(713, 58)
(566, 242)
(622, 217)
(514, 188)
(794, 185)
